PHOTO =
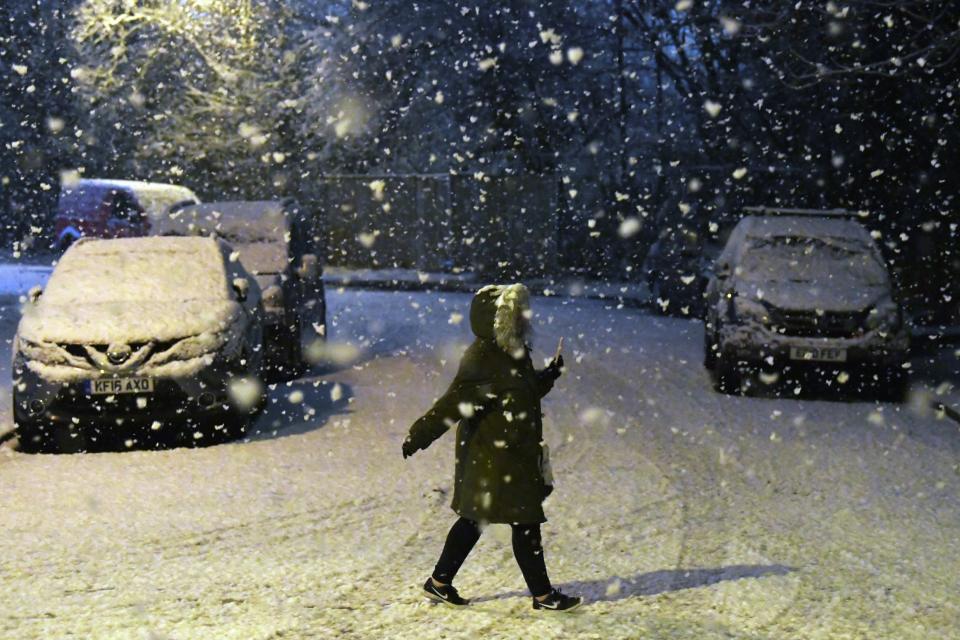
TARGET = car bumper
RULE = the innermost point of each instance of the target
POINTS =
(198, 399)
(275, 324)
(771, 349)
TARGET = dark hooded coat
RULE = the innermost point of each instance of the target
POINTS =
(495, 401)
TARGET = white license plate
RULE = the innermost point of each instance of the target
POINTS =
(111, 386)
(818, 354)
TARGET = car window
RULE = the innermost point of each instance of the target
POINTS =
(125, 207)
(805, 259)
(80, 201)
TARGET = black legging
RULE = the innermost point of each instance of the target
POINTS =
(527, 548)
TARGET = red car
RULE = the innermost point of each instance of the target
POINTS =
(114, 208)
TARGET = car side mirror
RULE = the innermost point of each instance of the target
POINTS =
(723, 270)
(309, 268)
(241, 287)
(34, 293)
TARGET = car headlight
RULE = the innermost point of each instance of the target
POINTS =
(43, 352)
(747, 309)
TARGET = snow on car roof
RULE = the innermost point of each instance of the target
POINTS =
(136, 186)
(207, 248)
(155, 197)
(805, 226)
(240, 221)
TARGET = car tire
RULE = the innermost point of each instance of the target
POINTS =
(30, 438)
(710, 347)
(726, 377)
(893, 385)
(67, 440)
(656, 294)
(296, 363)
(50, 438)
(322, 314)
(238, 425)
(290, 363)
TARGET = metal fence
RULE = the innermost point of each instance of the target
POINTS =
(503, 225)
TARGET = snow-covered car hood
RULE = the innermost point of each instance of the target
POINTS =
(812, 296)
(126, 322)
(265, 280)
(261, 258)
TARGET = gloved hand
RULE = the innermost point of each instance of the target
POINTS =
(408, 448)
(555, 368)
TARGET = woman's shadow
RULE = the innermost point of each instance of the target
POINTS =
(654, 582)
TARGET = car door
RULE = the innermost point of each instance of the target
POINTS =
(249, 297)
(306, 259)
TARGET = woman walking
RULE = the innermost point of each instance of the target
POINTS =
(502, 469)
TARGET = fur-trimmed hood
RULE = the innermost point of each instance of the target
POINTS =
(499, 313)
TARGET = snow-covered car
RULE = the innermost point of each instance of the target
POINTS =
(114, 208)
(792, 290)
(274, 241)
(138, 335)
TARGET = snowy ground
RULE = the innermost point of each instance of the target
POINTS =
(16, 279)
(679, 513)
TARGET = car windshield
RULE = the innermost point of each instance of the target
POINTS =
(235, 229)
(804, 259)
(80, 201)
(134, 276)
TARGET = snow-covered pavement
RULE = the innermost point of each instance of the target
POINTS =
(17, 279)
(679, 513)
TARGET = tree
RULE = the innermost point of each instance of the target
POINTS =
(35, 115)
(206, 92)
(816, 104)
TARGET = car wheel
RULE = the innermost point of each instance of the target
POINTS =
(50, 438)
(30, 438)
(317, 314)
(288, 362)
(893, 385)
(69, 440)
(710, 347)
(726, 378)
(295, 361)
(238, 424)
(656, 295)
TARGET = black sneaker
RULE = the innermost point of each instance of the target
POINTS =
(446, 594)
(556, 601)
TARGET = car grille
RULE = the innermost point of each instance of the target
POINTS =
(826, 325)
(79, 351)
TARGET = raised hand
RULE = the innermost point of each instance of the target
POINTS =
(555, 368)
